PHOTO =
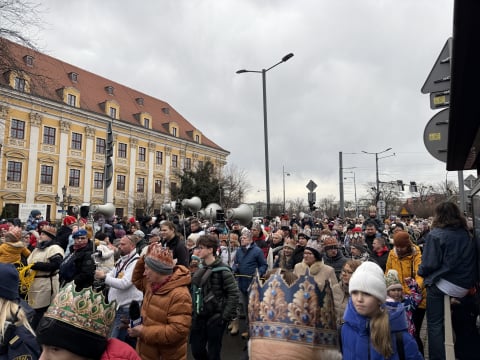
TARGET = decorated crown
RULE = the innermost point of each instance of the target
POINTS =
(84, 309)
(163, 254)
(297, 314)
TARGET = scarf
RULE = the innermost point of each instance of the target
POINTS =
(157, 286)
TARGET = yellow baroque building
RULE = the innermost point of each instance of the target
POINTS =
(53, 134)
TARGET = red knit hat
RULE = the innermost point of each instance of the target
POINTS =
(69, 220)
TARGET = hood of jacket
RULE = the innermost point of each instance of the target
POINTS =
(180, 277)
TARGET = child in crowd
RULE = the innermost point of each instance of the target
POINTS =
(372, 330)
(396, 296)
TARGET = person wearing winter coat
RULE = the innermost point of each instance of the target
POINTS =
(33, 219)
(166, 308)
(333, 256)
(248, 260)
(171, 239)
(14, 325)
(370, 330)
(449, 268)
(14, 248)
(215, 308)
(79, 266)
(65, 231)
(46, 259)
(76, 326)
(405, 258)
(340, 290)
(312, 260)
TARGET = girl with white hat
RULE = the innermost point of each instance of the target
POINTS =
(370, 330)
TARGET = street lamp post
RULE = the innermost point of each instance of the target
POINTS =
(265, 127)
(355, 192)
(66, 199)
(377, 196)
(288, 174)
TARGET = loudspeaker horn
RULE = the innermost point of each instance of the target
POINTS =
(210, 211)
(243, 213)
(194, 204)
(168, 207)
(106, 210)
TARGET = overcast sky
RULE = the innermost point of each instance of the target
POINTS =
(353, 84)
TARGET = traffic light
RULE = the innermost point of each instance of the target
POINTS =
(109, 144)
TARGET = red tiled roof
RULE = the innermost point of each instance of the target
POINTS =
(55, 76)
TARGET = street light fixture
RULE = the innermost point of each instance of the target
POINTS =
(377, 196)
(288, 174)
(66, 199)
(265, 127)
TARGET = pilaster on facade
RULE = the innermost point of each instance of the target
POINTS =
(87, 181)
(90, 132)
(35, 119)
(132, 181)
(65, 126)
(33, 158)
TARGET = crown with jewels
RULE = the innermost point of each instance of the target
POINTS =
(299, 313)
(84, 309)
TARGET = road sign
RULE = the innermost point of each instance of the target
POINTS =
(381, 205)
(439, 77)
(311, 186)
(435, 135)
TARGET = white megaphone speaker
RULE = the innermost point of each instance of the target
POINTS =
(106, 210)
(243, 213)
(301, 215)
(210, 211)
(168, 207)
(194, 204)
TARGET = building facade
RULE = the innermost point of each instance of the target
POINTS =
(53, 133)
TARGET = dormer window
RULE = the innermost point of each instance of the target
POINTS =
(197, 139)
(113, 113)
(28, 59)
(71, 100)
(139, 101)
(146, 123)
(73, 76)
(109, 89)
(20, 84)
(174, 131)
(166, 110)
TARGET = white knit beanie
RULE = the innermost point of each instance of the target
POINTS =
(368, 278)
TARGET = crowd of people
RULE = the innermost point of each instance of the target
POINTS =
(151, 287)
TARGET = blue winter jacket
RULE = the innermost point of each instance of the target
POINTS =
(448, 254)
(356, 336)
(246, 263)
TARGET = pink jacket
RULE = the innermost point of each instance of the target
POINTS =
(119, 350)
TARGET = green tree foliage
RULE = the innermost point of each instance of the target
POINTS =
(202, 182)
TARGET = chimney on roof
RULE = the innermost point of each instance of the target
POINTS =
(139, 101)
(109, 89)
(166, 110)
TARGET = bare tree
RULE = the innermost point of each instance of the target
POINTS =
(234, 186)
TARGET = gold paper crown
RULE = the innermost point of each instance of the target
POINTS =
(297, 313)
(84, 309)
(158, 252)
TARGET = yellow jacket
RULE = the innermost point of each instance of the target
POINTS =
(406, 267)
(11, 252)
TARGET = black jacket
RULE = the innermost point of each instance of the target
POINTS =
(179, 250)
(84, 266)
(224, 288)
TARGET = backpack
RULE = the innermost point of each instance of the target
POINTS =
(203, 298)
(18, 342)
